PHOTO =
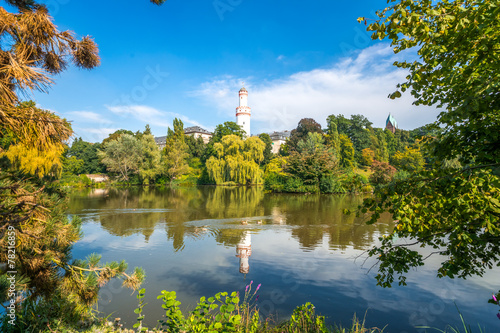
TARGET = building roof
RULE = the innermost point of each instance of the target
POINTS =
(392, 121)
(161, 140)
(279, 135)
(243, 89)
(196, 129)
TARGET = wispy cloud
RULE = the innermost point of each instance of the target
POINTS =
(94, 134)
(149, 115)
(87, 116)
(355, 85)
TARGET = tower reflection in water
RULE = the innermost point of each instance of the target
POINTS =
(244, 251)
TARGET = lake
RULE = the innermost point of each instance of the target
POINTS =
(301, 248)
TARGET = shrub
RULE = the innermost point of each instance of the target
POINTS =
(85, 180)
(331, 184)
(401, 175)
(383, 173)
(354, 183)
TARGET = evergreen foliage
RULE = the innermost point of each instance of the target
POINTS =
(175, 153)
(87, 153)
(347, 160)
(268, 151)
(36, 139)
(149, 166)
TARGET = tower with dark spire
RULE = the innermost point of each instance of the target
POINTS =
(391, 124)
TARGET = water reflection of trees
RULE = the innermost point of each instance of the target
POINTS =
(218, 211)
(316, 215)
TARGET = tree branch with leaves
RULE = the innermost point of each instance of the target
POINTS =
(454, 212)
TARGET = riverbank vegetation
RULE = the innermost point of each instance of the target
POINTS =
(338, 159)
(440, 183)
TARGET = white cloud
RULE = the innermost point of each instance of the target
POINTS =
(87, 116)
(94, 134)
(149, 115)
(356, 85)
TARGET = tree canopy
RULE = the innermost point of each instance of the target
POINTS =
(454, 211)
(32, 51)
(305, 126)
(458, 45)
(236, 160)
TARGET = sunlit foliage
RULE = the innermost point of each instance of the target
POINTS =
(454, 211)
(122, 156)
(37, 139)
(236, 160)
(176, 152)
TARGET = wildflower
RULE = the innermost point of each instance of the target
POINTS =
(257, 298)
(494, 298)
(498, 315)
(258, 287)
(251, 282)
(246, 288)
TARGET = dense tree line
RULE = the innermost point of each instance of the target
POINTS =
(337, 159)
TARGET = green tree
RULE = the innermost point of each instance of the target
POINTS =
(150, 165)
(357, 128)
(456, 212)
(332, 136)
(122, 156)
(268, 151)
(381, 148)
(116, 134)
(360, 133)
(347, 160)
(305, 126)
(87, 152)
(410, 160)
(367, 156)
(236, 160)
(176, 152)
(196, 146)
(222, 130)
(228, 128)
(343, 124)
(72, 165)
(312, 160)
(33, 49)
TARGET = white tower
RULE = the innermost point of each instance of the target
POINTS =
(244, 251)
(243, 112)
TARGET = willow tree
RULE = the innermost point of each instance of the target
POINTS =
(455, 212)
(236, 160)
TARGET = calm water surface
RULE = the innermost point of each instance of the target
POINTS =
(200, 241)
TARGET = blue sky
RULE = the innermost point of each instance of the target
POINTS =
(187, 59)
